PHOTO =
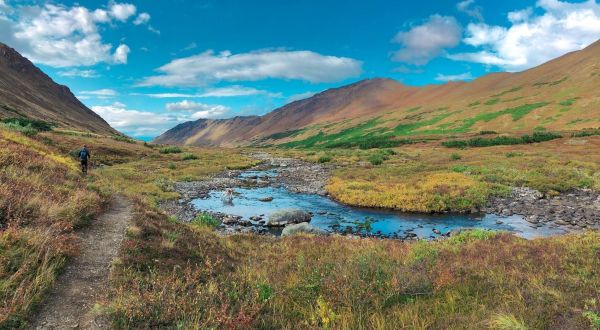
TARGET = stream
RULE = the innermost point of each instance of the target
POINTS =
(335, 217)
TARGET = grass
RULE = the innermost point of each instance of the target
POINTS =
(176, 275)
(205, 220)
(42, 200)
(474, 280)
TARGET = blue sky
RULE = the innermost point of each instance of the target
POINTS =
(148, 65)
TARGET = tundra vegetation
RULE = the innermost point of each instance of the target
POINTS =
(183, 275)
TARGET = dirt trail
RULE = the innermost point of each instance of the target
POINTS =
(69, 304)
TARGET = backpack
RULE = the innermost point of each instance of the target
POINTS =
(84, 154)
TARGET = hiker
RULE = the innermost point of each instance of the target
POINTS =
(84, 156)
(227, 195)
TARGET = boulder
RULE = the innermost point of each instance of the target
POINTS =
(266, 199)
(302, 228)
(288, 216)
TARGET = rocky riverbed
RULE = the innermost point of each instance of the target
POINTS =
(572, 211)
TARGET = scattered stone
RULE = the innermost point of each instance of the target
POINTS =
(288, 216)
(266, 199)
(304, 228)
(436, 231)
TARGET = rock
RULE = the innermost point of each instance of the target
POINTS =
(436, 231)
(229, 220)
(322, 212)
(266, 199)
(302, 228)
(498, 222)
(288, 216)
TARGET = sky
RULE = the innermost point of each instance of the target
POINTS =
(146, 66)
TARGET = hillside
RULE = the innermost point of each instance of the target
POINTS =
(561, 94)
(27, 92)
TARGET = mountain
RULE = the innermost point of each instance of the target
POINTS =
(562, 94)
(27, 92)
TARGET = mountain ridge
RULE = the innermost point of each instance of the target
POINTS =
(27, 92)
(572, 77)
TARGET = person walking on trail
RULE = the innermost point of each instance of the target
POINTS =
(84, 156)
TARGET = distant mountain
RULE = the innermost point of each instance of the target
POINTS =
(562, 94)
(25, 91)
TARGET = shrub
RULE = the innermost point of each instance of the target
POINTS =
(492, 101)
(488, 132)
(189, 156)
(376, 159)
(589, 132)
(455, 156)
(170, 150)
(172, 166)
(205, 220)
(513, 154)
(324, 159)
(502, 140)
(38, 125)
(122, 138)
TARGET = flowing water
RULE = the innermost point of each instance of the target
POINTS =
(335, 217)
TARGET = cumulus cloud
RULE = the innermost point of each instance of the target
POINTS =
(145, 123)
(121, 53)
(122, 11)
(63, 36)
(468, 7)
(423, 42)
(456, 77)
(78, 73)
(142, 18)
(532, 39)
(209, 67)
(135, 122)
(199, 110)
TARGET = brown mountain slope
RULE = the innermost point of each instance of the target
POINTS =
(25, 91)
(562, 94)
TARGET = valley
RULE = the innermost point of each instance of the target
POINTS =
(373, 205)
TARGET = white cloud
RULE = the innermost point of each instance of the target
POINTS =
(200, 110)
(230, 91)
(100, 93)
(120, 55)
(531, 39)
(468, 7)
(63, 36)
(208, 67)
(142, 18)
(146, 123)
(135, 122)
(423, 42)
(190, 46)
(122, 11)
(78, 73)
(456, 77)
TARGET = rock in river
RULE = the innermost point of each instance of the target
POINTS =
(288, 216)
(266, 199)
(304, 228)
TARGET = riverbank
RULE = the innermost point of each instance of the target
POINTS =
(563, 213)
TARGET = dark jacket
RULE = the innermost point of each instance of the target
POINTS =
(84, 154)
